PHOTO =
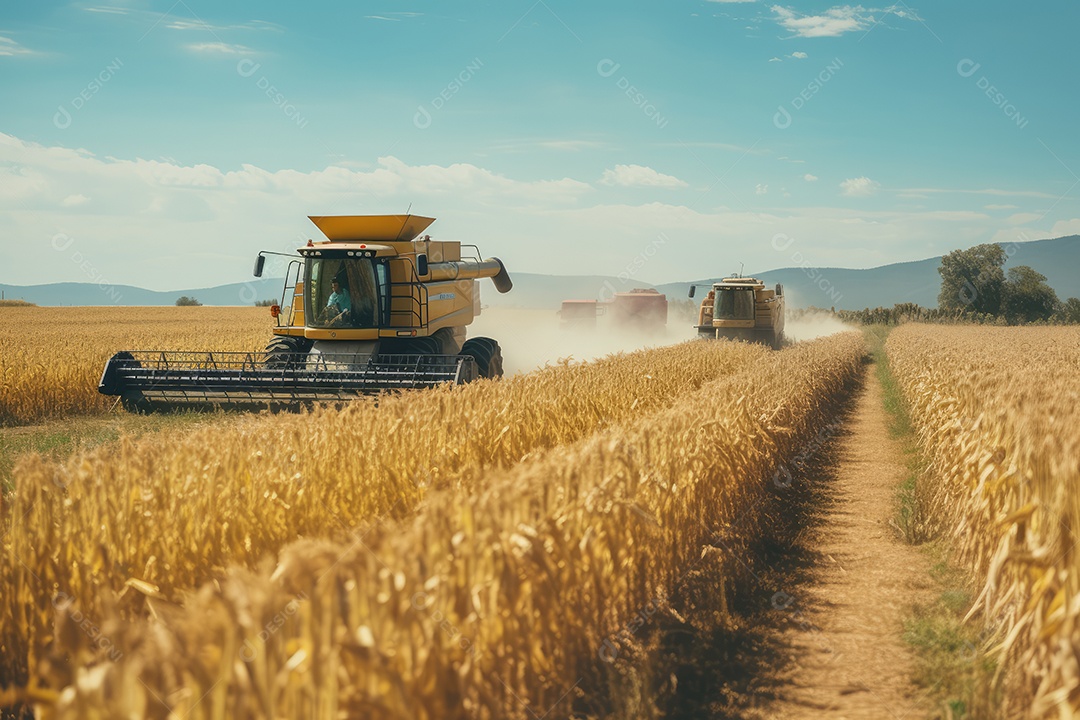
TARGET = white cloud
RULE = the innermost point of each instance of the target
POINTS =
(220, 48)
(1023, 218)
(74, 200)
(182, 24)
(166, 226)
(1066, 227)
(394, 16)
(761, 189)
(799, 55)
(836, 20)
(188, 210)
(810, 178)
(639, 176)
(995, 206)
(154, 19)
(9, 47)
(775, 59)
(859, 187)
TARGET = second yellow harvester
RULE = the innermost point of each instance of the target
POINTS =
(741, 308)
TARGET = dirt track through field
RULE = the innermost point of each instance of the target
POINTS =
(841, 625)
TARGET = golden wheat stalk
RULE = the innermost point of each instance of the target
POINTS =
(504, 599)
(997, 411)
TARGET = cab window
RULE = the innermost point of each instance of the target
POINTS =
(734, 304)
(343, 293)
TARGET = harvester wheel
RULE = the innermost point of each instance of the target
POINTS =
(135, 403)
(425, 346)
(495, 365)
(488, 356)
(286, 352)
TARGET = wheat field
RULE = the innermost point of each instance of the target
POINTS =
(490, 550)
(997, 411)
(173, 514)
(53, 356)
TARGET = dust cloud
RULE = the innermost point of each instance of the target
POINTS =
(812, 325)
(532, 338)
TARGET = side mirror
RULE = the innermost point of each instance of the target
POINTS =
(421, 264)
(692, 289)
(259, 262)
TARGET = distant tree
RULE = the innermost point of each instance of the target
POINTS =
(1027, 297)
(1069, 312)
(972, 280)
(185, 301)
(265, 303)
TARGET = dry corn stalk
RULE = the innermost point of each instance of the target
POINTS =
(997, 411)
(52, 357)
(506, 599)
(173, 515)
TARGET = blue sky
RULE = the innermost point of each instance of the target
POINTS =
(162, 144)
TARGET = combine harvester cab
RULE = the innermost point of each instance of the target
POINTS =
(370, 309)
(740, 308)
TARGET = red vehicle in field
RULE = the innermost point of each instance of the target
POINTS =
(640, 309)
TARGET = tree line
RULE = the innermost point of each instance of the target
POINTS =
(976, 289)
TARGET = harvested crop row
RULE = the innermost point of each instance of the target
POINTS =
(53, 357)
(173, 514)
(997, 412)
(512, 602)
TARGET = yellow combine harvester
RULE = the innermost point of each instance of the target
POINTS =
(740, 308)
(371, 308)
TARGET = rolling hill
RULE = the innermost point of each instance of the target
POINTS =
(842, 288)
(918, 282)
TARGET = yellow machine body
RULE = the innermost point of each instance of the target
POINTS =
(409, 286)
(741, 308)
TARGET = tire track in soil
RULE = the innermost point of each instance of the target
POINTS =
(820, 633)
(841, 625)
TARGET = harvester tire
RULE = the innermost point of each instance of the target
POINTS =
(488, 356)
(286, 352)
(135, 403)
